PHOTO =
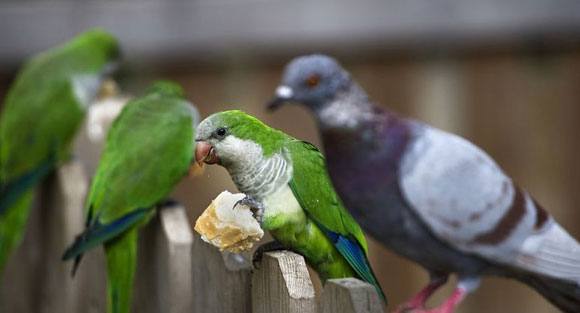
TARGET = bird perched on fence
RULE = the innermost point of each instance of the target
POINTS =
(286, 180)
(148, 149)
(431, 196)
(43, 110)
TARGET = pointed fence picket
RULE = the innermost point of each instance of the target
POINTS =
(176, 271)
(221, 281)
(282, 284)
(163, 279)
(350, 295)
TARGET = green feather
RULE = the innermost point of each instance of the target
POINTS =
(312, 188)
(96, 234)
(148, 149)
(324, 233)
(166, 87)
(41, 114)
(13, 226)
(247, 127)
(121, 263)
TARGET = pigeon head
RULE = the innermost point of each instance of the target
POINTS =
(312, 80)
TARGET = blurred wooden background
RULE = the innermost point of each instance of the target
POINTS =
(507, 77)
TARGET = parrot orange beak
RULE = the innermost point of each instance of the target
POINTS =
(205, 153)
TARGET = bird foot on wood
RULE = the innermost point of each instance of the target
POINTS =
(167, 203)
(267, 247)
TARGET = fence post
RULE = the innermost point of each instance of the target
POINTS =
(221, 281)
(35, 270)
(62, 209)
(162, 282)
(350, 295)
(282, 284)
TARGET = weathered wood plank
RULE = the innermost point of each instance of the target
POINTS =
(85, 292)
(36, 270)
(350, 295)
(62, 210)
(221, 281)
(282, 284)
(163, 278)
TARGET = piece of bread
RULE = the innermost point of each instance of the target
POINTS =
(232, 230)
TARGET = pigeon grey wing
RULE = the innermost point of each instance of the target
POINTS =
(467, 201)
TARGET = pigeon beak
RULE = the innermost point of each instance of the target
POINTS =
(283, 94)
(205, 153)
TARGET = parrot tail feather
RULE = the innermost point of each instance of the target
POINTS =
(76, 264)
(97, 234)
(563, 294)
(357, 258)
(121, 255)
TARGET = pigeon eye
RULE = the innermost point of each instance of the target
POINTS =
(313, 81)
(221, 132)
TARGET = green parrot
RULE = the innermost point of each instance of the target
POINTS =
(43, 110)
(148, 150)
(286, 183)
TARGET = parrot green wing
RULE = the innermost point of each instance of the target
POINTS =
(315, 194)
(312, 186)
(45, 107)
(148, 149)
(47, 101)
(12, 191)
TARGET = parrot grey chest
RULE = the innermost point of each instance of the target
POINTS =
(265, 179)
(255, 174)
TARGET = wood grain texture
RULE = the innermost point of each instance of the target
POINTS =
(36, 271)
(282, 284)
(175, 239)
(350, 295)
(163, 279)
(65, 200)
(62, 206)
(221, 281)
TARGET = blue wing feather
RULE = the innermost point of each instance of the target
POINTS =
(12, 191)
(96, 233)
(355, 256)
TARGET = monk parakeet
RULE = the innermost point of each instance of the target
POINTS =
(431, 196)
(42, 111)
(286, 180)
(148, 149)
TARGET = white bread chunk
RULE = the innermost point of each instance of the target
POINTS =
(231, 230)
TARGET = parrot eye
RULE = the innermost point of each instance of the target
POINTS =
(221, 132)
(312, 81)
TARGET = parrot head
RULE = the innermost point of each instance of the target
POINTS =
(312, 80)
(231, 138)
(93, 51)
(167, 87)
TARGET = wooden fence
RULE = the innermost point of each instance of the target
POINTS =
(176, 272)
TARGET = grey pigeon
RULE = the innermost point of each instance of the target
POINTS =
(431, 196)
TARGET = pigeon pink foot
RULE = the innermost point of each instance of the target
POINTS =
(448, 307)
(418, 301)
